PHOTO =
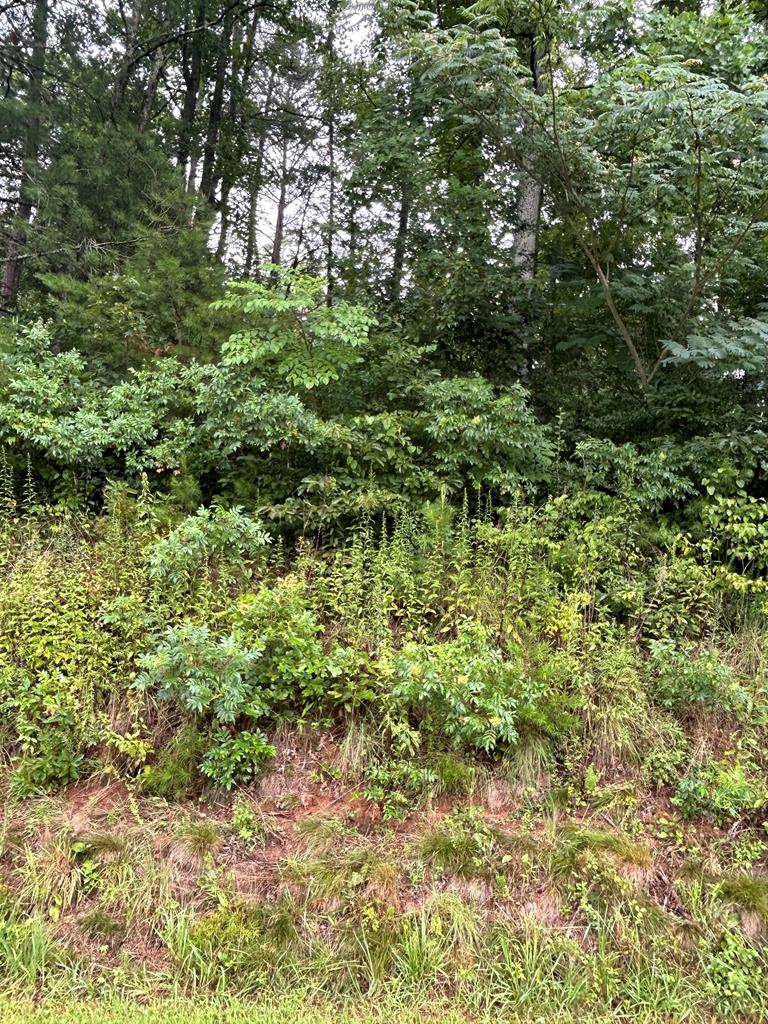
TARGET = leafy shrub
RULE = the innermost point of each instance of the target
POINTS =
(737, 529)
(304, 413)
(680, 595)
(296, 669)
(235, 758)
(57, 664)
(204, 673)
(685, 678)
(273, 661)
(462, 689)
(484, 436)
(733, 973)
(292, 332)
(47, 729)
(721, 791)
(213, 678)
(399, 785)
(213, 540)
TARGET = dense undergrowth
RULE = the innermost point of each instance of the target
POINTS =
(512, 758)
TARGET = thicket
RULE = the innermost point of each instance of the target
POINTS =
(588, 636)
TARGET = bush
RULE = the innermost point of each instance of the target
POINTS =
(214, 541)
(233, 759)
(214, 678)
(272, 662)
(721, 791)
(57, 664)
(686, 678)
(297, 671)
(205, 673)
(462, 689)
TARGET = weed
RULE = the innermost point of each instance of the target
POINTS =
(748, 893)
(251, 824)
(174, 773)
(201, 838)
(464, 844)
(27, 951)
(101, 925)
(50, 877)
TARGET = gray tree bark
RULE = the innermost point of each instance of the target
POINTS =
(529, 193)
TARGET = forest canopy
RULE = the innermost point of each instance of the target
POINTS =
(320, 257)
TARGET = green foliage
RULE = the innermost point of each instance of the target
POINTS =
(204, 673)
(250, 823)
(293, 334)
(463, 843)
(490, 439)
(297, 669)
(323, 453)
(462, 689)
(398, 785)
(689, 678)
(173, 774)
(27, 950)
(721, 790)
(731, 968)
(748, 893)
(500, 398)
(55, 665)
(226, 945)
(462, 635)
(213, 678)
(235, 759)
(216, 542)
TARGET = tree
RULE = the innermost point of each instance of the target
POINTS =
(29, 155)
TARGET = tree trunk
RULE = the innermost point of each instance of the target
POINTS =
(527, 214)
(251, 245)
(300, 233)
(330, 280)
(529, 193)
(330, 85)
(192, 173)
(208, 179)
(14, 257)
(221, 247)
(192, 74)
(158, 63)
(129, 63)
(251, 250)
(398, 257)
(350, 274)
(277, 244)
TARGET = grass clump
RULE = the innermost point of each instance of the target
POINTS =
(463, 843)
